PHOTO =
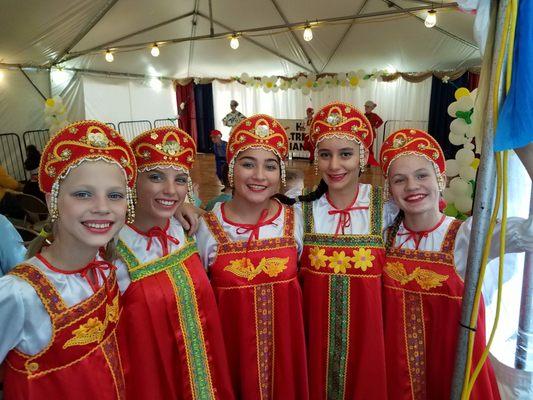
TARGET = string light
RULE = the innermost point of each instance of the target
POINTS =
(234, 43)
(308, 33)
(109, 56)
(155, 50)
(431, 19)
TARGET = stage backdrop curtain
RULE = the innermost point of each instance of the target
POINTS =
(187, 108)
(442, 95)
(203, 99)
(397, 100)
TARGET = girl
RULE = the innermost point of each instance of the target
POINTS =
(171, 323)
(423, 274)
(249, 248)
(342, 261)
(59, 309)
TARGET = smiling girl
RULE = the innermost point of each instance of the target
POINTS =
(342, 262)
(59, 309)
(249, 247)
(424, 272)
(172, 333)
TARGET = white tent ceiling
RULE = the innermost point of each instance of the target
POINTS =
(40, 33)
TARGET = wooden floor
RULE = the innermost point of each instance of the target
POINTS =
(203, 173)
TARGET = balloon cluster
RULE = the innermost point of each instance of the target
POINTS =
(55, 114)
(461, 169)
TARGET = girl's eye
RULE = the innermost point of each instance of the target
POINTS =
(82, 194)
(116, 196)
(422, 176)
(247, 165)
(346, 154)
(398, 180)
(181, 181)
(155, 177)
(323, 155)
(271, 167)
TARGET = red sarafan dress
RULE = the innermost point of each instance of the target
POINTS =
(82, 360)
(376, 121)
(341, 283)
(260, 304)
(422, 310)
(170, 331)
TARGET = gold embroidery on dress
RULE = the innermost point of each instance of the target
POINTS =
(93, 330)
(425, 278)
(339, 261)
(244, 268)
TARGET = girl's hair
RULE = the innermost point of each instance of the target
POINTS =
(47, 234)
(393, 230)
(321, 189)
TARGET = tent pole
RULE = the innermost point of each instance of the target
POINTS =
(524, 341)
(33, 84)
(483, 205)
(211, 29)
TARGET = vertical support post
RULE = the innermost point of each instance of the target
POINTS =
(524, 341)
(483, 206)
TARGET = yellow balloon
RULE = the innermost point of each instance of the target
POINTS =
(474, 164)
(461, 92)
(50, 102)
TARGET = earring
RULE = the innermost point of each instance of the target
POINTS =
(130, 214)
(362, 157)
(283, 174)
(54, 212)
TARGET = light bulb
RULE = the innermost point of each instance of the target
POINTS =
(308, 33)
(109, 56)
(234, 43)
(431, 19)
(155, 50)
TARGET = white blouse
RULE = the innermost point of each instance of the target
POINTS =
(324, 222)
(138, 243)
(207, 245)
(24, 322)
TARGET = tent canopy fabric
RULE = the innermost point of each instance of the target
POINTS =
(76, 34)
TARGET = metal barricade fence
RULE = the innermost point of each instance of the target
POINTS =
(111, 125)
(130, 129)
(38, 138)
(12, 156)
(165, 122)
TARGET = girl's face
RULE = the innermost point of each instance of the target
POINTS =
(256, 175)
(339, 163)
(92, 204)
(159, 193)
(413, 185)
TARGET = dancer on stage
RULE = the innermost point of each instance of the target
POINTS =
(342, 262)
(249, 247)
(59, 309)
(424, 271)
(170, 330)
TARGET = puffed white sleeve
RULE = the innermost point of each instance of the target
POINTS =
(207, 245)
(299, 228)
(390, 211)
(12, 313)
(519, 238)
(123, 275)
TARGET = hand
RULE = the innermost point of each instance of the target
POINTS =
(189, 217)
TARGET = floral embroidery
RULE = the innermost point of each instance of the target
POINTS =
(244, 268)
(426, 279)
(339, 262)
(318, 257)
(97, 139)
(93, 330)
(171, 147)
(363, 258)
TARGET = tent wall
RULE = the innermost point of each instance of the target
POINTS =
(21, 106)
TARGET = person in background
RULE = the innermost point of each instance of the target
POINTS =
(376, 122)
(233, 117)
(308, 146)
(9, 187)
(31, 164)
(226, 194)
(12, 249)
(219, 148)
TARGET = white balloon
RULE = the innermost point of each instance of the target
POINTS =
(469, 146)
(465, 103)
(452, 109)
(465, 156)
(305, 90)
(449, 195)
(458, 126)
(463, 204)
(245, 77)
(457, 139)
(459, 186)
(467, 173)
(452, 168)
(470, 132)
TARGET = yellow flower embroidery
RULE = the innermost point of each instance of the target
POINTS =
(339, 262)
(363, 258)
(318, 257)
